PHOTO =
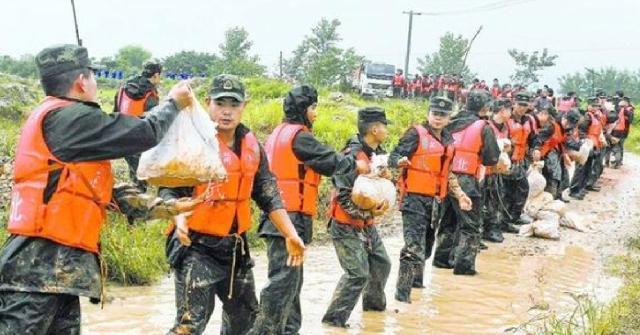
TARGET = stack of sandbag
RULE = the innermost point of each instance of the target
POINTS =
(536, 180)
(549, 215)
(372, 189)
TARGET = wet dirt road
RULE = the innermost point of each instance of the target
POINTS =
(514, 279)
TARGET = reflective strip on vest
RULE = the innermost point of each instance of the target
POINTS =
(299, 194)
(75, 211)
(230, 200)
(468, 142)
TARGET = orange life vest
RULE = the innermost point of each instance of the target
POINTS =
(398, 80)
(621, 124)
(566, 105)
(504, 133)
(468, 142)
(299, 194)
(338, 214)
(594, 130)
(429, 171)
(519, 133)
(75, 211)
(230, 200)
(133, 107)
(554, 141)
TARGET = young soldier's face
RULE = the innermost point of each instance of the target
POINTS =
(520, 109)
(379, 131)
(312, 113)
(438, 120)
(505, 114)
(88, 86)
(226, 112)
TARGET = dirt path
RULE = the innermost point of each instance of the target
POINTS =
(513, 277)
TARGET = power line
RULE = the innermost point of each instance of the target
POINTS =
(482, 8)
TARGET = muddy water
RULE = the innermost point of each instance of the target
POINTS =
(514, 279)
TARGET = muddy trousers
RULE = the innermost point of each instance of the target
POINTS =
(132, 162)
(492, 205)
(580, 176)
(419, 236)
(33, 313)
(366, 267)
(516, 191)
(280, 298)
(617, 150)
(597, 168)
(198, 280)
(458, 237)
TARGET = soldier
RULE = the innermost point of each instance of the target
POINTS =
(359, 248)
(521, 133)
(62, 173)
(424, 152)
(208, 248)
(584, 178)
(136, 97)
(475, 145)
(493, 207)
(620, 130)
(298, 160)
(399, 83)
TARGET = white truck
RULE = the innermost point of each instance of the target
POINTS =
(374, 79)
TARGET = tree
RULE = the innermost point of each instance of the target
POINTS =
(130, 58)
(448, 59)
(318, 60)
(528, 66)
(189, 62)
(234, 55)
(24, 66)
(608, 79)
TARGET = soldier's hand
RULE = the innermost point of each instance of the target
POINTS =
(182, 95)
(295, 249)
(465, 203)
(362, 167)
(536, 155)
(182, 228)
(380, 209)
(404, 162)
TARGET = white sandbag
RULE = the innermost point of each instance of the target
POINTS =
(582, 155)
(188, 155)
(556, 206)
(372, 189)
(545, 215)
(546, 229)
(536, 180)
(533, 206)
(573, 221)
(526, 230)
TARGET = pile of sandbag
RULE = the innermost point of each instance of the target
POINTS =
(372, 189)
(548, 214)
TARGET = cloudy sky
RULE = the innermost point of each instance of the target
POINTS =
(584, 33)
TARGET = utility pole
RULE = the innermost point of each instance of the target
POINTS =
(280, 64)
(406, 59)
(75, 20)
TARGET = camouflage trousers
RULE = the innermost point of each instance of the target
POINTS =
(581, 176)
(458, 237)
(280, 299)
(516, 191)
(204, 273)
(34, 313)
(364, 259)
(492, 196)
(132, 162)
(418, 226)
(598, 167)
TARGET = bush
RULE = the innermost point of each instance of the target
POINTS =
(134, 255)
(9, 134)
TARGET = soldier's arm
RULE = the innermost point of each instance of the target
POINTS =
(319, 157)
(265, 189)
(343, 181)
(83, 132)
(406, 147)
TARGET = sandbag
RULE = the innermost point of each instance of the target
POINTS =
(556, 206)
(544, 215)
(533, 206)
(573, 221)
(188, 155)
(536, 180)
(526, 230)
(372, 189)
(546, 229)
(582, 155)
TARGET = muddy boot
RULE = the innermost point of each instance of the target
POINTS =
(493, 235)
(509, 228)
(465, 256)
(417, 276)
(523, 219)
(405, 279)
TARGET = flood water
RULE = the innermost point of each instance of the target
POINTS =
(506, 288)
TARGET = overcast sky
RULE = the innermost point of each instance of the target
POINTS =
(584, 33)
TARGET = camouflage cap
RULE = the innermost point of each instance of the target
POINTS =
(502, 103)
(440, 104)
(523, 97)
(63, 58)
(227, 86)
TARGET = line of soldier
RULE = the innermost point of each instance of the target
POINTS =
(452, 185)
